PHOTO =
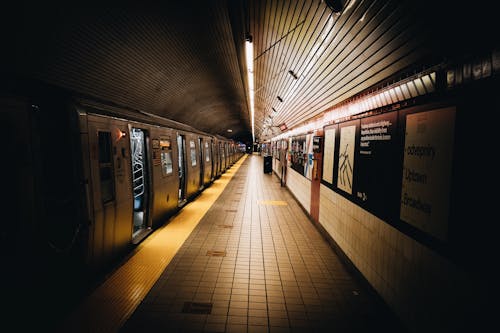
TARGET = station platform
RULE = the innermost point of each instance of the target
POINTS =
(242, 257)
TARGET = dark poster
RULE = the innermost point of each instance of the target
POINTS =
(378, 165)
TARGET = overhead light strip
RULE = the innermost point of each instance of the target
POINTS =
(251, 92)
(420, 85)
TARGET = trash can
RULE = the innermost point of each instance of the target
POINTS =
(268, 164)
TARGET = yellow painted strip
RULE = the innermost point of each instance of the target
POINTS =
(273, 202)
(112, 303)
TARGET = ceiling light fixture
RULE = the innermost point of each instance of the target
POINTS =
(249, 60)
(280, 99)
(293, 74)
(274, 110)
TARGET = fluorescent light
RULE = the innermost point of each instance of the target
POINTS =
(249, 58)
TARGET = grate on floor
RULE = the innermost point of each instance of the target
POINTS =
(197, 308)
(226, 226)
(216, 253)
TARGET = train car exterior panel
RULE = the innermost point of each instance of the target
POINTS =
(165, 174)
(110, 166)
(192, 165)
(207, 160)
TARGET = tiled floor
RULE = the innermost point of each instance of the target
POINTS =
(255, 263)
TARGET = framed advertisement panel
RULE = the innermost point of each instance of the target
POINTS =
(347, 147)
(378, 165)
(329, 153)
(427, 163)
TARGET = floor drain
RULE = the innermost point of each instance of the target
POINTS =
(231, 210)
(215, 253)
(226, 226)
(197, 308)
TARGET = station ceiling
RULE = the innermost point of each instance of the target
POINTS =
(185, 60)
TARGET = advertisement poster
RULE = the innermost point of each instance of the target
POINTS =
(308, 156)
(328, 153)
(346, 158)
(377, 188)
(427, 162)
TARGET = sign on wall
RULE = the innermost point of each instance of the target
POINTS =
(378, 164)
(346, 158)
(428, 150)
(328, 154)
(308, 151)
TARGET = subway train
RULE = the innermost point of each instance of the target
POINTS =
(86, 182)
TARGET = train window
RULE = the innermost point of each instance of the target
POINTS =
(193, 153)
(207, 152)
(166, 163)
(106, 167)
(167, 167)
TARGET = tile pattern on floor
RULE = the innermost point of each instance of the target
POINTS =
(274, 272)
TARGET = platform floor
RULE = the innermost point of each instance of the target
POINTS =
(253, 262)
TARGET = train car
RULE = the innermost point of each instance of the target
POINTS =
(139, 170)
(89, 181)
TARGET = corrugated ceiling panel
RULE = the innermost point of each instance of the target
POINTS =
(171, 59)
(333, 56)
(186, 62)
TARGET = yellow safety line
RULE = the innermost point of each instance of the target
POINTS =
(273, 202)
(113, 302)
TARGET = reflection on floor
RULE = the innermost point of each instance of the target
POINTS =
(255, 263)
(112, 303)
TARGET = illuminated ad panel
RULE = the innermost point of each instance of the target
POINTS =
(328, 154)
(427, 162)
(346, 158)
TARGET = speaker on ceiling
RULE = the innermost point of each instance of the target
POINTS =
(335, 5)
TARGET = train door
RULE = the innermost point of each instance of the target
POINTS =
(110, 188)
(106, 207)
(226, 154)
(140, 179)
(216, 159)
(208, 166)
(212, 149)
(202, 163)
(181, 148)
(222, 157)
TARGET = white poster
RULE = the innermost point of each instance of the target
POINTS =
(428, 151)
(309, 156)
(346, 158)
(328, 154)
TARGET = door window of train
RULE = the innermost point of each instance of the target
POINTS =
(167, 166)
(106, 167)
(207, 152)
(192, 147)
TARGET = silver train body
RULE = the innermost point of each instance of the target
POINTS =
(137, 174)
(87, 182)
